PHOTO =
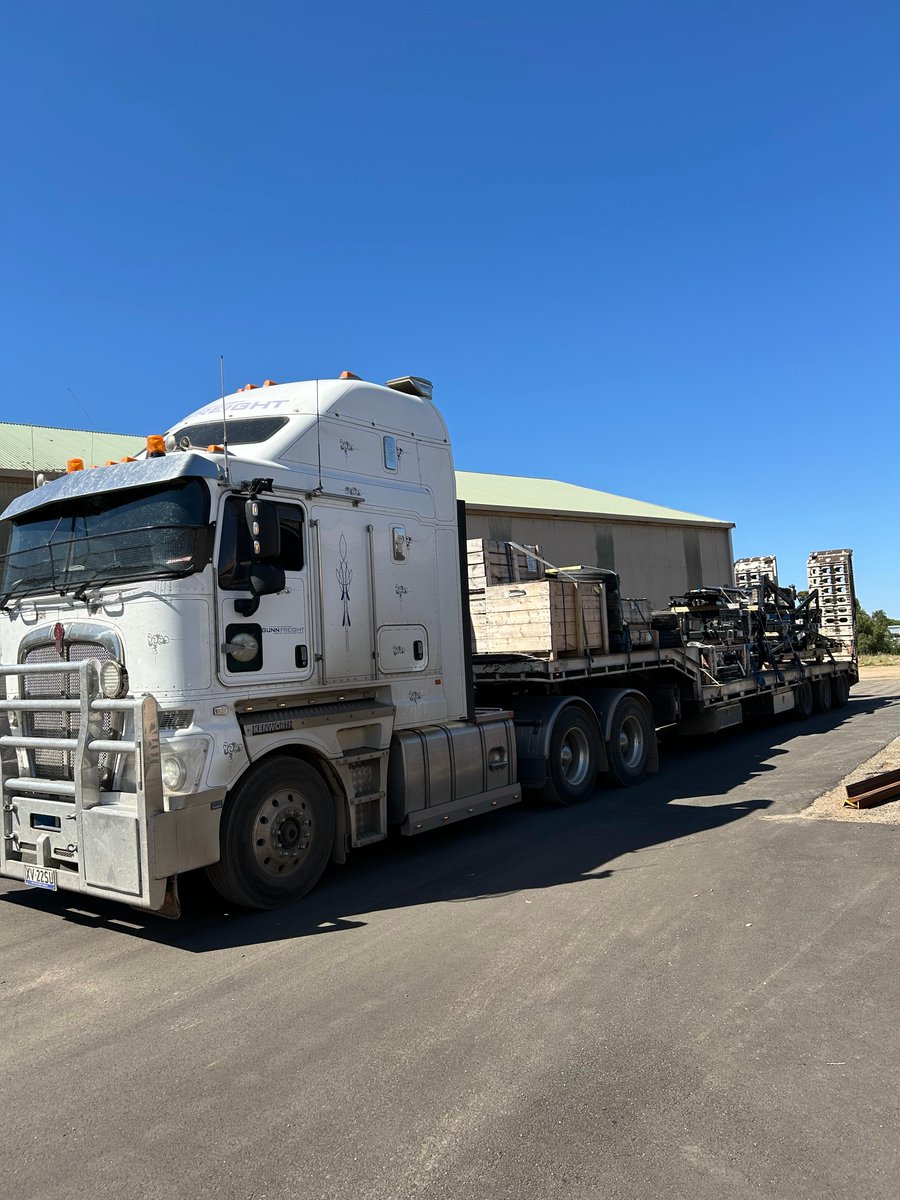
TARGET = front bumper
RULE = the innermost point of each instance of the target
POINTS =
(123, 845)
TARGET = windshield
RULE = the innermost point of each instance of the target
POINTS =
(148, 533)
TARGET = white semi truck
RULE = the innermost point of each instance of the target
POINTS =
(248, 650)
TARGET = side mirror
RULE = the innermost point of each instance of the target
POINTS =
(266, 579)
(265, 531)
(265, 576)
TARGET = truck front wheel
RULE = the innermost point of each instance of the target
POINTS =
(630, 739)
(275, 837)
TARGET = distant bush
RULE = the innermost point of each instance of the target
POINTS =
(872, 636)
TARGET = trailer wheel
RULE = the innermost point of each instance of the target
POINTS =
(840, 690)
(821, 690)
(803, 700)
(572, 760)
(275, 837)
(630, 739)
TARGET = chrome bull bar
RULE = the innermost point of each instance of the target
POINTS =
(91, 840)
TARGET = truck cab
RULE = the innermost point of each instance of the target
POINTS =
(230, 651)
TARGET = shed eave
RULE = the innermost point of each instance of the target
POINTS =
(593, 515)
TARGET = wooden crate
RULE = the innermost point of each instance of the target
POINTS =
(492, 562)
(636, 612)
(641, 637)
(546, 617)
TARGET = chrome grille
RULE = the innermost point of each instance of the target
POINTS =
(59, 764)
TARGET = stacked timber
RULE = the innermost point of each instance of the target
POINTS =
(830, 572)
(549, 618)
(493, 562)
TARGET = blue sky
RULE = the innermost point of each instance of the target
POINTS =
(651, 248)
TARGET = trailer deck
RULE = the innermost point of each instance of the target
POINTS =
(609, 668)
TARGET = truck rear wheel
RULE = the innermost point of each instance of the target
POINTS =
(275, 837)
(572, 760)
(840, 690)
(803, 700)
(630, 739)
(821, 690)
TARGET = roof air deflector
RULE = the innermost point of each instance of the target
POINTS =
(413, 385)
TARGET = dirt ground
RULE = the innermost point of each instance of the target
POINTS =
(831, 807)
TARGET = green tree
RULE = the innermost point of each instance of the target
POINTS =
(872, 636)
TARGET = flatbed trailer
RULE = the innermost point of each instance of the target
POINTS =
(669, 685)
(507, 669)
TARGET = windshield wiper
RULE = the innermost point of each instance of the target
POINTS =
(21, 585)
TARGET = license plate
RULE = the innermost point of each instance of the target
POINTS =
(41, 877)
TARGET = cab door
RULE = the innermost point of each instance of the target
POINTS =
(276, 640)
(343, 547)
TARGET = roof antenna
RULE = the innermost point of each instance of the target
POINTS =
(33, 463)
(224, 414)
(89, 419)
(321, 487)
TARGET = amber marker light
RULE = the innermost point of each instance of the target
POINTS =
(349, 375)
(127, 458)
(269, 383)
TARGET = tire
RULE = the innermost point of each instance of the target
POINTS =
(276, 835)
(840, 690)
(821, 691)
(572, 760)
(803, 700)
(630, 739)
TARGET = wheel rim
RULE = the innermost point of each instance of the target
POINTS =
(575, 757)
(282, 833)
(631, 742)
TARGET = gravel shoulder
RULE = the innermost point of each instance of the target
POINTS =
(830, 805)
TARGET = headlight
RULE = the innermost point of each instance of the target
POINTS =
(174, 773)
(113, 680)
(181, 763)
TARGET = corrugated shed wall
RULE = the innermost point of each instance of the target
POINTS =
(655, 560)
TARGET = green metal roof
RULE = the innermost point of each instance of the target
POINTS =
(551, 496)
(41, 448)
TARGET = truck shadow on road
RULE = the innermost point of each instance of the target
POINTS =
(520, 849)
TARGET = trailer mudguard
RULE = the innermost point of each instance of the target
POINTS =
(534, 719)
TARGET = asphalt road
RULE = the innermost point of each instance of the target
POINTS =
(663, 993)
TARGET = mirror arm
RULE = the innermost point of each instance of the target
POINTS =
(246, 606)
